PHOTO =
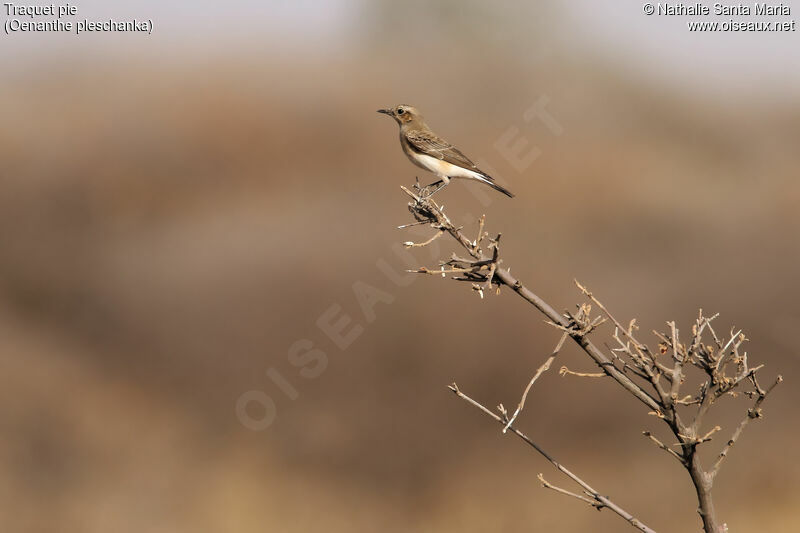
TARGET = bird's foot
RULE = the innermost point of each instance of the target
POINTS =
(428, 191)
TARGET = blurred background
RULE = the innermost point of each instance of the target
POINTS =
(178, 210)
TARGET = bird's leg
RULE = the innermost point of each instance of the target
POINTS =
(440, 185)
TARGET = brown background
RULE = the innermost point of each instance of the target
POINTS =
(177, 210)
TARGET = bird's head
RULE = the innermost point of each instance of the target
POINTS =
(402, 113)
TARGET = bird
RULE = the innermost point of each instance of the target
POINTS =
(429, 151)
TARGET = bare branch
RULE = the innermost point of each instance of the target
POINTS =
(542, 369)
(476, 244)
(602, 501)
(427, 209)
(677, 370)
(409, 244)
(546, 484)
(693, 440)
(564, 371)
(664, 447)
(754, 412)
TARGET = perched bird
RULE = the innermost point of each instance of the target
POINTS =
(429, 151)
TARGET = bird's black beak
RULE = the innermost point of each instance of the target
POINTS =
(385, 111)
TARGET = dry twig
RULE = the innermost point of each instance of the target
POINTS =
(597, 500)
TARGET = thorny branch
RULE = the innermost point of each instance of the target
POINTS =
(654, 377)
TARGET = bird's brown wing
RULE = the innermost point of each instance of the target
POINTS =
(428, 143)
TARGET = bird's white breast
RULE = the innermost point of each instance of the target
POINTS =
(443, 168)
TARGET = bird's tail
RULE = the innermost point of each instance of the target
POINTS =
(488, 180)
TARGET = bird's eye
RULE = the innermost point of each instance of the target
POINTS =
(401, 111)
